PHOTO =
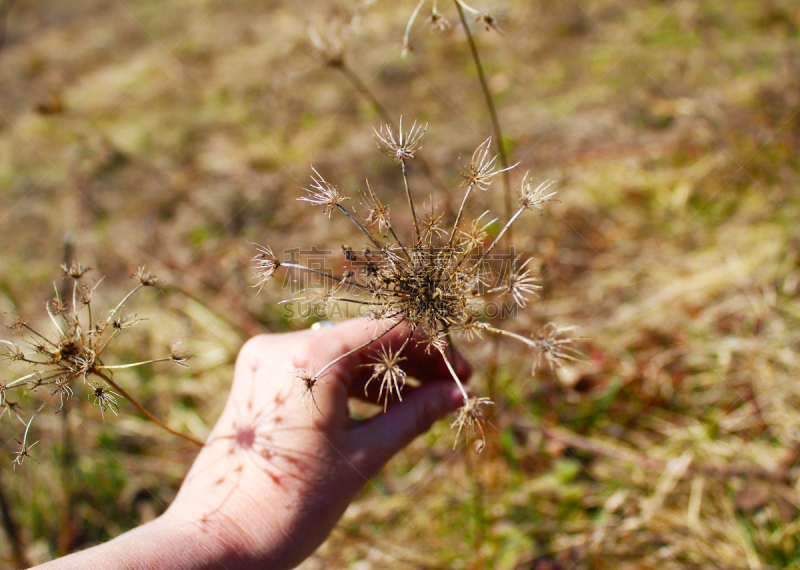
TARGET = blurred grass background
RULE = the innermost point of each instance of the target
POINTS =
(173, 134)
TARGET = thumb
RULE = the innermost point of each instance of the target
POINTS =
(382, 436)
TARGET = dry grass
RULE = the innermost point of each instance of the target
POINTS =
(173, 134)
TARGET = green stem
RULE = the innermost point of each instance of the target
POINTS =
(498, 135)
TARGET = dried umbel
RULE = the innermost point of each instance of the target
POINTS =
(432, 282)
(73, 355)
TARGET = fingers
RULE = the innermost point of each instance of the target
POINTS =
(376, 440)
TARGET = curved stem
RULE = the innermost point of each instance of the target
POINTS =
(356, 349)
(139, 407)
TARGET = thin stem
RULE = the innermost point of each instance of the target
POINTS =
(490, 104)
(120, 366)
(323, 274)
(406, 45)
(454, 375)
(460, 213)
(361, 87)
(41, 336)
(119, 306)
(507, 227)
(19, 380)
(357, 223)
(519, 337)
(107, 342)
(353, 351)
(410, 202)
(139, 407)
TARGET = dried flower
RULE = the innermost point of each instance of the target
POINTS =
(145, 278)
(105, 399)
(530, 198)
(404, 144)
(432, 283)
(481, 168)
(22, 453)
(471, 417)
(323, 194)
(554, 346)
(265, 265)
(392, 377)
(76, 270)
(520, 283)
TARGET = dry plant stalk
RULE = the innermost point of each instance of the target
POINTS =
(433, 282)
(74, 356)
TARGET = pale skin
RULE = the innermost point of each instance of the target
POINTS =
(278, 470)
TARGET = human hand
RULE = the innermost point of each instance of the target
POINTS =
(277, 472)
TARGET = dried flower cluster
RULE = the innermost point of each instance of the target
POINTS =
(432, 282)
(73, 355)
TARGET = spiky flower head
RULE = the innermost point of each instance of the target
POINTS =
(321, 193)
(520, 282)
(530, 197)
(378, 212)
(481, 168)
(404, 144)
(554, 346)
(471, 417)
(265, 264)
(387, 370)
(105, 399)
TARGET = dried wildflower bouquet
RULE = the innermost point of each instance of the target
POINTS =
(433, 281)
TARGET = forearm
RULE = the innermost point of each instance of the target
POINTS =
(158, 545)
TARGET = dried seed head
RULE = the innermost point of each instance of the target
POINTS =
(520, 282)
(124, 323)
(489, 22)
(471, 417)
(331, 40)
(472, 329)
(307, 382)
(438, 22)
(265, 265)
(321, 193)
(105, 399)
(17, 324)
(530, 197)
(404, 145)
(392, 377)
(13, 353)
(179, 357)
(431, 228)
(480, 170)
(22, 453)
(553, 346)
(476, 233)
(61, 385)
(36, 381)
(76, 270)
(145, 278)
(56, 306)
(378, 212)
